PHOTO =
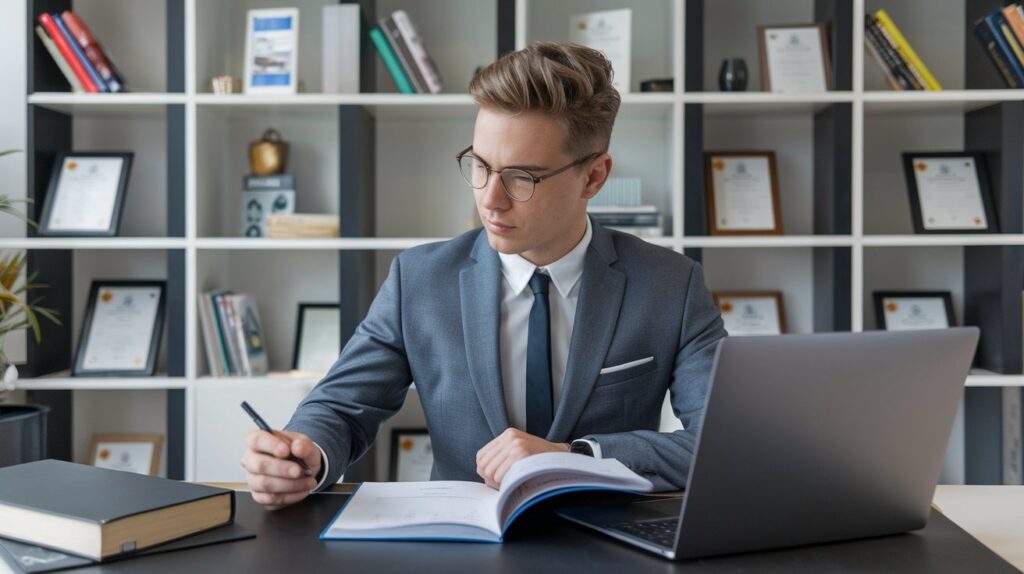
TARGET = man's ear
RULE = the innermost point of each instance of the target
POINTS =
(597, 174)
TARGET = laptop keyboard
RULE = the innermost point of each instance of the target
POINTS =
(661, 532)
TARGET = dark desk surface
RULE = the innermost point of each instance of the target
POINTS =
(287, 541)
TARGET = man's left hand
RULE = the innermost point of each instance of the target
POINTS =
(495, 458)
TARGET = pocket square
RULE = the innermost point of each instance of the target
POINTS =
(624, 366)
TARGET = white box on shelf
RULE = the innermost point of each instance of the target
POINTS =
(610, 32)
(340, 63)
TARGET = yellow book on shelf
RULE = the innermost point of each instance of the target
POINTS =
(908, 53)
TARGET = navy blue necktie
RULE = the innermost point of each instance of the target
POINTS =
(539, 411)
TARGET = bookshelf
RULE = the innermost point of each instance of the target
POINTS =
(845, 210)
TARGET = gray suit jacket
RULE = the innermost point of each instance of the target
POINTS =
(435, 321)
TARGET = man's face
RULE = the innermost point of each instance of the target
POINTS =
(553, 220)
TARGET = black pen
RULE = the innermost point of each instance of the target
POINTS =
(256, 418)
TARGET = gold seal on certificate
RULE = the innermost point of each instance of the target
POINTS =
(749, 313)
(949, 192)
(794, 59)
(742, 193)
(122, 328)
(138, 453)
(913, 310)
(85, 194)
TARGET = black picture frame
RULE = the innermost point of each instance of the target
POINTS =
(45, 228)
(981, 168)
(78, 368)
(396, 437)
(300, 322)
(880, 296)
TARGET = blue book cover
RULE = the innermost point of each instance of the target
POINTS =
(103, 87)
(989, 31)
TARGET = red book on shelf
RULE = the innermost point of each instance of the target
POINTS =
(93, 51)
(68, 53)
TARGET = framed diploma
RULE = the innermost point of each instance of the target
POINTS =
(121, 330)
(317, 337)
(949, 192)
(85, 194)
(272, 51)
(411, 456)
(794, 59)
(138, 453)
(749, 313)
(742, 193)
(912, 310)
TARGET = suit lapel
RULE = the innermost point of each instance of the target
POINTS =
(601, 291)
(480, 294)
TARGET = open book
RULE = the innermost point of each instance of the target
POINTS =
(461, 510)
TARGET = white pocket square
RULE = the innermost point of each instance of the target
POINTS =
(625, 366)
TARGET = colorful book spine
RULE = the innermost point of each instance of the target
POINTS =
(906, 51)
(390, 61)
(69, 55)
(989, 33)
(401, 50)
(423, 61)
(65, 69)
(1014, 15)
(80, 54)
(1011, 39)
(93, 51)
(888, 59)
(905, 69)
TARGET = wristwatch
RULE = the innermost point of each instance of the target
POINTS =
(581, 447)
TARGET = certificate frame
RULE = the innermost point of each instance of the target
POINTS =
(289, 87)
(709, 191)
(981, 170)
(45, 222)
(397, 436)
(146, 370)
(774, 295)
(762, 45)
(299, 329)
(156, 440)
(881, 296)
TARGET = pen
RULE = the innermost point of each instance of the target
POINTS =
(256, 418)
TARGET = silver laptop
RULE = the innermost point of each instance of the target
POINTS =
(808, 439)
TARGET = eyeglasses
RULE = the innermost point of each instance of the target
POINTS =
(517, 184)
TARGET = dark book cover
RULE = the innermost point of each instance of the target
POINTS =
(405, 57)
(988, 33)
(889, 56)
(268, 182)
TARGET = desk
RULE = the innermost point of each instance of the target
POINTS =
(540, 542)
(992, 514)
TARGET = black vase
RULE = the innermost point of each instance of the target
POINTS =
(22, 433)
(732, 76)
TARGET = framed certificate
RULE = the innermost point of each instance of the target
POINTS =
(411, 456)
(912, 310)
(317, 337)
(949, 192)
(794, 59)
(749, 313)
(138, 453)
(742, 193)
(121, 330)
(272, 51)
(85, 194)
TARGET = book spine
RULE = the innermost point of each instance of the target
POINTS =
(69, 55)
(222, 322)
(998, 51)
(93, 51)
(887, 59)
(401, 50)
(229, 334)
(1012, 41)
(206, 318)
(905, 69)
(1014, 15)
(905, 50)
(236, 306)
(390, 62)
(58, 59)
(268, 182)
(86, 64)
(419, 53)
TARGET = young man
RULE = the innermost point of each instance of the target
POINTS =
(541, 332)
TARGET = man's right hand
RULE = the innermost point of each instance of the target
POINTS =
(274, 480)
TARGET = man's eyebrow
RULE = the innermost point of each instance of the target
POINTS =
(524, 167)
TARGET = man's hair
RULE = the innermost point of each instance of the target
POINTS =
(569, 82)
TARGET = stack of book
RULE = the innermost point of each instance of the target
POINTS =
(302, 226)
(87, 67)
(233, 334)
(405, 56)
(1001, 34)
(619, 206)
(263, 196)
(889, 47)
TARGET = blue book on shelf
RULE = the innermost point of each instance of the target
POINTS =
(391, 62)
(77, 49)
(989, 31)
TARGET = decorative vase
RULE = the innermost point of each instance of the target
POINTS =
(269, 156)
(732, 76)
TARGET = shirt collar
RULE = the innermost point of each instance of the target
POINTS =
(564, 273)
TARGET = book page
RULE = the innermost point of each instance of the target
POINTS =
(383, 505)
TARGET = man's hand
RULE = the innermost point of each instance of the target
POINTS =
(495, 458)
(274, 480)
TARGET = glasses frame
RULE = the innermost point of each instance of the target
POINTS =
(536, 178)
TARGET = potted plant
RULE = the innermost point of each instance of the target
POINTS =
(22, 427)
